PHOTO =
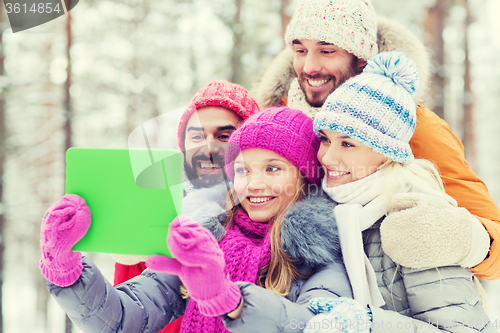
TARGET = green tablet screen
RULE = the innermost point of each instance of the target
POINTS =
(133, 195)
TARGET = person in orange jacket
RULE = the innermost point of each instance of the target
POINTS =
(329, 41)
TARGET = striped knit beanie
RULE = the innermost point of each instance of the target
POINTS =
(376, 107)
(348, 24)
(221, 93)
(286, 132)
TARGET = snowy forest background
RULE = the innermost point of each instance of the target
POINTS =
(89, 79)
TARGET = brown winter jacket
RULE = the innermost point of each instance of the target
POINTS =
(433, 139)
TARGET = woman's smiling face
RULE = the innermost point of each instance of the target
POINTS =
(345, 160)
(264, 182)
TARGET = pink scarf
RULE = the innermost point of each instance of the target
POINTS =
(246, 249)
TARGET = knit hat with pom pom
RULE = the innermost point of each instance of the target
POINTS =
(376, 107)
(230, 96)
(282, 130)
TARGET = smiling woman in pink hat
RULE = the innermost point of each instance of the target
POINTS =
(253, 271)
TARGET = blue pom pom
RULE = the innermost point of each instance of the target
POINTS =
(396, 66)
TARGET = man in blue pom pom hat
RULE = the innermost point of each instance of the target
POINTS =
(329, 41)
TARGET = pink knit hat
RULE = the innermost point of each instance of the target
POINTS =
(286, 132)
(218, 93)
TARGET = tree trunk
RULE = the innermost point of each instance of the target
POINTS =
(3, 137)
(469, 144)
(285, 17)
(68, 108)
(434, 26)
(133, 118)
(237, 73)
(132, 97)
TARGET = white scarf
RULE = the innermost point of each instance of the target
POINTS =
(297, 100)
(360, 205)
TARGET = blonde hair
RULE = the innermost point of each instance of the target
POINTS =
(281, 270)
(420, 175)
(278, 274)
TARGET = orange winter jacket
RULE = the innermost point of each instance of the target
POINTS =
(434, 141)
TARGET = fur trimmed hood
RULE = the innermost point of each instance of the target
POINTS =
(391, 36)
(207, 207)
(308, 233)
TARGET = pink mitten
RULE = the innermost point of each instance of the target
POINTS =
(199, 263)
(64, 224)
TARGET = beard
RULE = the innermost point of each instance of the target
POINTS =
(208, 180)
(316, 99)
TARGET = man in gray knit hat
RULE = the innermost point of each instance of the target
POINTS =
(329, 41)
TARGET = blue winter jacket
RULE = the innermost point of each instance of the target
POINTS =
(148, 302)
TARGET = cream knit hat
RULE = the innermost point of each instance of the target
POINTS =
(348, 24)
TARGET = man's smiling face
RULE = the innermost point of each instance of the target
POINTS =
(205, 140)
(322, 67)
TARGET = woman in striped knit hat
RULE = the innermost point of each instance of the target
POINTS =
(380, 189)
